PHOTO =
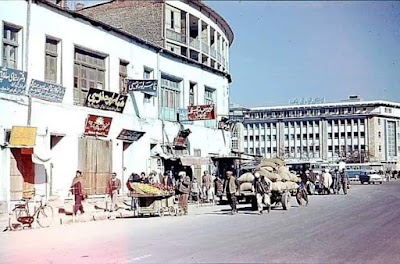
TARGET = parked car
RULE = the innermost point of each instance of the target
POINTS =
(370, 177)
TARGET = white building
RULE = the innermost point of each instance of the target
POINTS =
(57, 46)
(351, 130)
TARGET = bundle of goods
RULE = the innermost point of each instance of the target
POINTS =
(166, 189)
(246, 181)
(246, 186)
(141, 188)
(284, 173)
(294, 178)
(269, 174)
(283, 186)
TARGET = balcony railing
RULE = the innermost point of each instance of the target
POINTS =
(194, 43)
(205, 48)
(219, 57)
(213, 53)
(175, 36)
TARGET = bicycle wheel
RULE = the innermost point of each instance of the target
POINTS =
(13, 223)
(45, 216)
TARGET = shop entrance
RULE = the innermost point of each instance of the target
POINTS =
(95, 162)
(22, 174)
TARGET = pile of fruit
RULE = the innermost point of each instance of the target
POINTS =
(150, 189)
(163, 187)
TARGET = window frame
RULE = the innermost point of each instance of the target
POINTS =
(8, 43)
(53, 54)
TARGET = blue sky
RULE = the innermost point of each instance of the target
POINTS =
(288, 50)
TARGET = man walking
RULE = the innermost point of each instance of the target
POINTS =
(183, 187)
(231, 186)
(113, 187)
(206, 184)
(262, 189)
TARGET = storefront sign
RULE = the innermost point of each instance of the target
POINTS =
(46, 91)
(226, 124)
(130, 135)
(97, 126)
(104, 100)
(23, 136)
(180, 140)
(12, 81)
(145, 86)
(201, 112)
(183, 116)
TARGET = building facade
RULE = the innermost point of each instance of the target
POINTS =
(351, 130)
(67, 74)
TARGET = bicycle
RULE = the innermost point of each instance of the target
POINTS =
(20, 216)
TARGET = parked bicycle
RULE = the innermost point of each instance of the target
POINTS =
(20, 217)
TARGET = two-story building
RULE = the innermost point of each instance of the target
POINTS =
(103, 99)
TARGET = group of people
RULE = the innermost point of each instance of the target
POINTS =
(327, 181)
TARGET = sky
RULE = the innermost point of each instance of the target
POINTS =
(291, 50)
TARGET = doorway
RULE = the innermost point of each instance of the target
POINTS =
(22, 174)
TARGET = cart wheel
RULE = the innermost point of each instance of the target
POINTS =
(286, 201)
(161, 212)
(172, 211)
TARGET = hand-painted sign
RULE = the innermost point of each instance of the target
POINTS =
(145, 86)
(23, 136)
(104, 100)
(12, 81)
(201, 112)
(226, 124)
(46, 91)
(183, 116)
(97, 126)
(130, 135)
(180, 140)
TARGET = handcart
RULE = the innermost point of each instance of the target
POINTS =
(148, 204)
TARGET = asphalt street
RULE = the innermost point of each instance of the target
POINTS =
(361, 227)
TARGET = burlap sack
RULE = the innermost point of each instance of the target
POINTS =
(246, 177)
(268, 175)
(278, 186)
(291, 186)
(267, 163)
(294, 178)
(246, 186)
(277, 161)
(285, 176)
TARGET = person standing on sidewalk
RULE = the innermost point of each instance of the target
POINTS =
(113, 187)
(231, 187)
(206, 185)
(183, 188)
(77, 189)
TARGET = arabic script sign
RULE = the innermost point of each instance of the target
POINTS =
(201, 112)
(130, 135)
(183, 116)
(104, 100)
(46, 91)
(12, 81)
(97, 126)
(226, 124)
(145, 86)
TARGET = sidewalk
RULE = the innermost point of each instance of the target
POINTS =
(95, 210)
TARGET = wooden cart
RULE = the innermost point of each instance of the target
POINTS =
(146, 204)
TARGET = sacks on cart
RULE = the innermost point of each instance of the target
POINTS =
(246, 177)
(246, 186)
(269, 175)
(294, 178)
(291, 185)
(277, 161)
(278, 186)
(284, 173)
(266, 163)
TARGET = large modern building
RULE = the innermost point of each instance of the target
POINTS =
(77, 92)
(352, 130)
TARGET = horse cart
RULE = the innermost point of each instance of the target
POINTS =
(151, 204)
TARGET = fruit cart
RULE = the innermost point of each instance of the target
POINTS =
(150, 200)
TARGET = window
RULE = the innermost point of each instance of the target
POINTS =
(380, 148)
(379, 134)
(10, 46)
(342, 135)
(192, 93)
(172, 21)
(355, 134)
(257, 138)
(362, 134)
(246, 150)
(379, 121)
(251, 150)
(330, 148)
(291, 136)
(316, 148)
(262, 150)
(51, 62)
(268, 149)
(274, 149)
(235, 144)
(123, 73)
(245, 137)
(89, 72)
(286, 137)
(274, 137)
(209, 99)
(329, 135)
(362, 121)
(268, 137)
(148, 74)
(348, 134)
(170, 92)
(262, 138)
(298, 136)
(251, 138)
(336, 135)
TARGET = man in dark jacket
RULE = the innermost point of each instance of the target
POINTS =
(261, 189)
(183, 189)
(231, 187)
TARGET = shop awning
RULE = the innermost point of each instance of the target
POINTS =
(189, 161)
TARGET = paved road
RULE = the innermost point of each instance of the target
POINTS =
(362, 227)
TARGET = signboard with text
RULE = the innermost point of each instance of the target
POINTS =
(183, 116)
(145, 86)
(97, 126)
(130, 135)
(201, 112)
(12, 81)
(105, 100)
(226, 124)
(46, 91)
(23, 136)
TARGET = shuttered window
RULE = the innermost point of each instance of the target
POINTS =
(123, 73)
(170, 93)
(89, 72)
(10, 46)
(51, 64)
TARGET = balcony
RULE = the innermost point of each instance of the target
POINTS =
(175, 36)
(213, 53)
(194, 43)
(205, 48)
(219, 57)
